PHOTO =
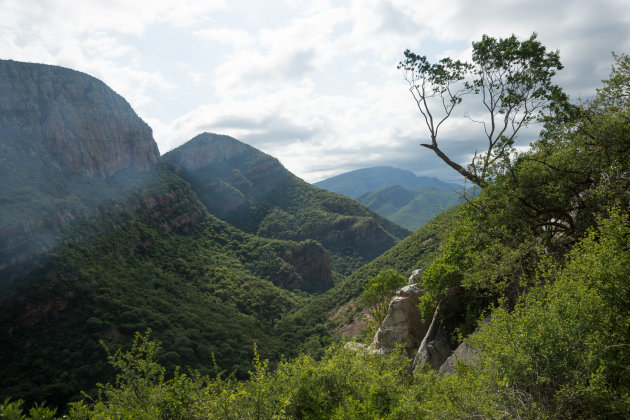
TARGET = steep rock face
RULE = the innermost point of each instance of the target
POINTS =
(441, 340)
(69, 121)
(403, 324)
(312, 262)
(72, 150)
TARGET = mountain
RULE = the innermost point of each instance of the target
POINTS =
(360, 181)
(255, 193)
(336, 311)
(410, 208)
(100, 238)
(69, 146)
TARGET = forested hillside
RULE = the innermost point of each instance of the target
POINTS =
(99, 238)
(539, 262)
(255, 193)
(410, 208)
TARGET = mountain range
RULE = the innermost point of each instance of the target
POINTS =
(213, 246)
(396, 194)
(410, 208)
(360, 181)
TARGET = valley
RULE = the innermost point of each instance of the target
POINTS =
(211, 282)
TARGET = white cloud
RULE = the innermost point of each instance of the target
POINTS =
(274, 56)
(238, 38)
(312, 83)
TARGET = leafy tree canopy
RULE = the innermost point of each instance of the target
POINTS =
(511, 78)
(379, 290)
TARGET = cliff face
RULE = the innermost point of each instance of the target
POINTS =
(68, 121)
(312, 263)
(72, 150)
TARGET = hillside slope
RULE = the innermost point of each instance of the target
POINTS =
(410, 208)
(106, 240)
(254, 192)
(70, 147)
(330, 313)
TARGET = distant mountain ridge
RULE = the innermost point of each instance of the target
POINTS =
(360, 181)
(410, 208)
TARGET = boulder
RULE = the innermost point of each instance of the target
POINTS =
(434, 348)
(463, 353)
(403, 324)
(415, 277)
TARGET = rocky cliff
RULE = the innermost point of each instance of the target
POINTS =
(312, 267)
(72, 150)
(64, 120)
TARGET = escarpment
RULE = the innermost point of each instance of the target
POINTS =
(75, 161)
(67, 121)
(312, 262)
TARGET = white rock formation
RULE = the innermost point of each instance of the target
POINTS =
(403, 324)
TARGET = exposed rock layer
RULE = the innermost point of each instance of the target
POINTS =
(73, 150)
(69, 121)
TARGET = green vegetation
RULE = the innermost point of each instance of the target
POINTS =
(544, 249)
(255, 193)
(512, 81)
(343, 384)
(378, 292)
(314, 324)
(204, 287)
(561, 353)
(410, 208)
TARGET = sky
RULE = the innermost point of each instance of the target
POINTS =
(312, 83)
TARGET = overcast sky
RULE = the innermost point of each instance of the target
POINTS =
(313, 83)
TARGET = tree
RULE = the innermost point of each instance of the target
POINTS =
(549, 197)
(379, 290)
(512, 78)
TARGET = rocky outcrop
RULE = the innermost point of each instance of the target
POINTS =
(72, 150)
(312, 263)
(403, 324)
(435, 347)
(463, 354)
(415, 277)
(63, 120)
